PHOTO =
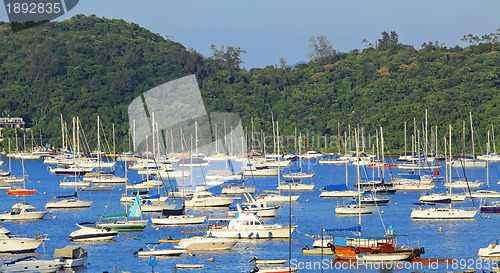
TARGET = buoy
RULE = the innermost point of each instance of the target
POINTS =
(307, 200)
(439, 229)
(247, 248)
(488, 217)
(44, 192)
(157, 229)
(404, 192)
(120, 189)
(395, 204)
(191, 254)
(211, 259)
(217, 267)
(106, 206)
(382, 212)
(54, 217)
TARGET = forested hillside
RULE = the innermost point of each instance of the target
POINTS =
(90, 66)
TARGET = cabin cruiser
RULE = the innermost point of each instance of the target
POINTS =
(23, 211)
(71, 255)
(89, 232)
(248, 225)
(18, 244)
(32, 264)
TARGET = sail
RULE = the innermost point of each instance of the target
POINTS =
(136, 209)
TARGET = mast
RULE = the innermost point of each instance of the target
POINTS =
(450, 162)
(99, 151)
(357, 177)
(493, 136)
(487, 158)
(274, 139)
(405, 138)
(382, 152)
(472, 135)
(62, 134)
(338, 135)
(345, 147)
(279, 173)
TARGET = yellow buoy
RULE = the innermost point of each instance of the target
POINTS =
(395, 204)
(382, 212)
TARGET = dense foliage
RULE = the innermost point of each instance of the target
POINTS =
(90, 66)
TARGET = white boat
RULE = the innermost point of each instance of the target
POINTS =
(109, 179)
(295, 186)
(298, 175)
(191, 266)
(206, 243)
(279, 269)
(338, 194)
(152, 251)
(18, 244)
(71, 170)
(435, 213)
(183, 192)
(69, 201)
(413, 187)
(74, 184)
(277, 197)
(148, 184)
(11, 179)
(379, 257)
(32, 264)
(22, 211)
(223, 175)
(259, 170)
(436, 198)
(207, 199)
(468, 163)
(482, 194)
(177, 220)
(238, 189)
(250, 226)
(71, 255)
(90, 232)
(412, 166)
(492, 251)
(461, 184)
(258, 206)
(355, 209)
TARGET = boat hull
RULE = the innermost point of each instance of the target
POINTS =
(18, 245)
(267, 233)
(176, 220)
(161, 252)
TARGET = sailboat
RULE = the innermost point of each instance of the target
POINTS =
(294, 185)
(352, 246)
(126, 225)
(339, 190)
(274, 196)
(67, 201)
(21, 191)
(472, 161)
(442, 213)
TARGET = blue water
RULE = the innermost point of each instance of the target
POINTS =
(458, 240)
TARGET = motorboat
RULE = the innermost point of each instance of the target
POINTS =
(32, 264)
(90, 232)
(152, 251)
(355, 208)
(493, 207)
(248, 225)
(67, 201)
(258, 206)
(177, 220)
(71, 255)
(206, 243)
(492, 251)
(207, 199)
(18, 244)
(23, 211)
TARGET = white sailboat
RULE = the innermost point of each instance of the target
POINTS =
(126, 224)
(443, 213)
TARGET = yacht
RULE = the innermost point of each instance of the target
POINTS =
(89, 232)
(206, 243)
(23, 211)
(207, 199)
(32, 264)
(250, 226)
(18, 244)
(67, 201)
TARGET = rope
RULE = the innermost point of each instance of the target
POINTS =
(308, 235)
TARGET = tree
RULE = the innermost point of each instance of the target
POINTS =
(229, 59)
(388, 39)
(321, 50)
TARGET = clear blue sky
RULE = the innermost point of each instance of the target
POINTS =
(272, 29)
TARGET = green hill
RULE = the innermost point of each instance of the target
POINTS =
(90, 66)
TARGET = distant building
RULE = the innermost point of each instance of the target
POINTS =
(11, 123)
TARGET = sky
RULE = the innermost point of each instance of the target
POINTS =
(273, 29)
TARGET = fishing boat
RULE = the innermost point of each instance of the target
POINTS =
(67, 201)
(248, 225)
(18, 243)
(126, 224)
(23, 211)
(89, 232)
(71, 255)
(32, 264)
(206, 243)
(152, 251)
